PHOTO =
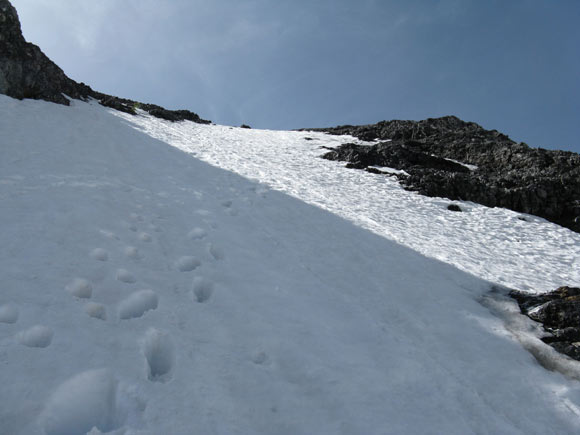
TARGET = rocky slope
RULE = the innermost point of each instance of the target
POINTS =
(460, 160)
(26, 72)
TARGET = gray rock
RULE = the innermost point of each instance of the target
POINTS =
(559, 313)
(509, 174)
(25, 72)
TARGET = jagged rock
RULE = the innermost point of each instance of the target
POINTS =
(559, 313)
(245, 126)
(502, 173)
(26, 72)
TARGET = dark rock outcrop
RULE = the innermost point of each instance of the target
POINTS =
(506, 174)
(559, 313)
(26, 72)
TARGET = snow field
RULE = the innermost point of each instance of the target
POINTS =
(491, 243)
(295, 321)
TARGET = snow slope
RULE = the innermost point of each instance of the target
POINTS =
(143, 291)
(492, 243)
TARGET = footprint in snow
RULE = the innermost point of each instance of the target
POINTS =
(159, 354)
(215, 251)
(132, 252)
(137, 304)
(80, 288)
(125, 276)
(203, 212)
(8, 313)
(144, 237)
(260, 358)
(91, 402)
(99, 254)
(36, 336)
(96, 311)
(187, 264)
(197, 233)
(202, 289)
(109, 234)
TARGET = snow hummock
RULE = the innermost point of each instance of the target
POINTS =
(308, 312)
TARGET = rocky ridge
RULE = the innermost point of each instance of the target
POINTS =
(26, 72)
(451, 158)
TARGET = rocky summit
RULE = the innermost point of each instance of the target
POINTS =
(459, 160)
(26, 72)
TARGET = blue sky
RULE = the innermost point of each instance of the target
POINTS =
(510, 65)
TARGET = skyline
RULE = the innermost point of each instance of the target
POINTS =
(511, 66)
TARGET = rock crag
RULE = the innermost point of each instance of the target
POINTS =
(26, 72)
(451, 158)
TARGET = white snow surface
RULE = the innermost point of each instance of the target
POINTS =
(492, 243)
(302, 314)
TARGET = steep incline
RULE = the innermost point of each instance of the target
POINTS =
(145, 292)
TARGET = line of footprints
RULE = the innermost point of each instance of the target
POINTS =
(157, 346)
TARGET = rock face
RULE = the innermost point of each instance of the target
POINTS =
(493, 170)
(559, 312)
(26, 72)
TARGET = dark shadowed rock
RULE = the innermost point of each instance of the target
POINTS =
(453, 207)
(502, 173)
(559, 313)
(25, 72)
(245, 126)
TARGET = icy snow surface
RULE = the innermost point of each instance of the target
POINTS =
(143, 291)
(492, 243)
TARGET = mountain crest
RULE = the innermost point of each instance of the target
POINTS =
(26, 72)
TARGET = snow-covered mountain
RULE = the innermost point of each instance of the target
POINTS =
(145, 291)
(182, 278)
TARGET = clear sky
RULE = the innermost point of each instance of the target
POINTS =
(510, 65)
